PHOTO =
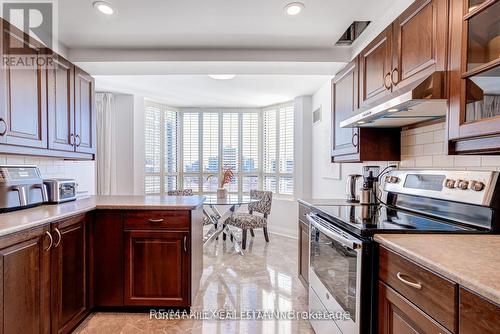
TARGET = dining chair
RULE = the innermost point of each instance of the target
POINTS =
(250, 220)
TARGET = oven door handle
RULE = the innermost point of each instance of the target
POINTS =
(333, 235)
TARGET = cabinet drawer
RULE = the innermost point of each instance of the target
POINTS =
(432, 293)
(152, 220)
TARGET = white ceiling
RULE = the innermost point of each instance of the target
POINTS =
(212, 24)
(202, 91)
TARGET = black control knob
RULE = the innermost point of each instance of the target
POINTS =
(463, 185)
(449, 183)
(477, 185)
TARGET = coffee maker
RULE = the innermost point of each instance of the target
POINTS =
(369, 192)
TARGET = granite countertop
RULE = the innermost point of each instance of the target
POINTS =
(325, 201)
(470, 260)
(16, 221)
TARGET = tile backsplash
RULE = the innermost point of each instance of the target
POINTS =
(82, 171)
(425, 147)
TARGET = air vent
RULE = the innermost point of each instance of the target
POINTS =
(353, 32)
(317, 115)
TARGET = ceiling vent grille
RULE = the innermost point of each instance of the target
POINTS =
(353, 32)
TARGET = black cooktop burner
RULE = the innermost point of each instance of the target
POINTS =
(366, 220)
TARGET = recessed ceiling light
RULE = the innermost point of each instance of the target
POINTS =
(104, 7)
(393, 110)
(222, 76)
(294, 8)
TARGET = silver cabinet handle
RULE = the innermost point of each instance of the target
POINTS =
(354, 140)
(394, 82)
(4, 131)
(72, 139)
(160, 220)
(59, 236)
(79, 140)
(388, 87)
(185, 244)
(51, 241)
(417, 285)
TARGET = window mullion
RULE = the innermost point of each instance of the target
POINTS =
(200, 151)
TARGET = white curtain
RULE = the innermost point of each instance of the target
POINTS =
(106, 146)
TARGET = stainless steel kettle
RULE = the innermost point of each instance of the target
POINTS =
(351, 196)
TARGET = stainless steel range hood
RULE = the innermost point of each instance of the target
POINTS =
(417, 102)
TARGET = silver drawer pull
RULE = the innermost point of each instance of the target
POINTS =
(160, 220)
(417, 285)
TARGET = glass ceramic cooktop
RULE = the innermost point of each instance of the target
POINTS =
(368, 219)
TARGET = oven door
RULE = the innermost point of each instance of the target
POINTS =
(335, 271)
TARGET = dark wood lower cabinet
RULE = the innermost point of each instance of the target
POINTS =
(69, 274)
(477, 315)
(25, 282)
(397, 315)
(157, 268)
(303, 259)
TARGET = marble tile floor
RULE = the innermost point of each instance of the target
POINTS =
(265, 278)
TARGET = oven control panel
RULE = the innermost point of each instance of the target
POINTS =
(473, 187)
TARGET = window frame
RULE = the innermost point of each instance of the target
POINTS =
(240, 174)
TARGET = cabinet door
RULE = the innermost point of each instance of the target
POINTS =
(398, 316)
(375, 69)
(420, 41)
(477, 315)
(303, 244)
(69, 274)
(25, 283)
(156, 268)
(345, 103)
(85, 117)
(60, 102)
(25, 113)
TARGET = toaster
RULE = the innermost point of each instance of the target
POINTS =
(60, 190)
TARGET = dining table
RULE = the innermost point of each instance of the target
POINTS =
(218, 211)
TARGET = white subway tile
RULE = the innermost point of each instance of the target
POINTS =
(15, 160)
(467, 161)
(433, 149)
(490, 161)
(413, 131)
(415, 150)
(408, 140)
(407, 162)
(439, 136)
(443, 161)
(433, 127)
(423, 161)
(424, 138)
(3, 159)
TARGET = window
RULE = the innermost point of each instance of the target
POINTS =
(256, 144)
(278, 148)
(161, 140)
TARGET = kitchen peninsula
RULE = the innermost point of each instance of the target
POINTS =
(59, 262)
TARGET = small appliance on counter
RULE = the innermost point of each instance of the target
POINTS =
(369, 192)
(21, 187)
(60, 190)
(351, 196)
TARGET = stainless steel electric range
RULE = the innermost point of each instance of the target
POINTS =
(343, 255)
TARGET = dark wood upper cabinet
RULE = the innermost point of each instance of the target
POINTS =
(474, 112)
(85, 113)
(419, 42)
(157, 271)
(375, 69)
(345, 104)
(24, 107)
(25, 282)
(69, 273)
(357, 144)
(60, 105)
